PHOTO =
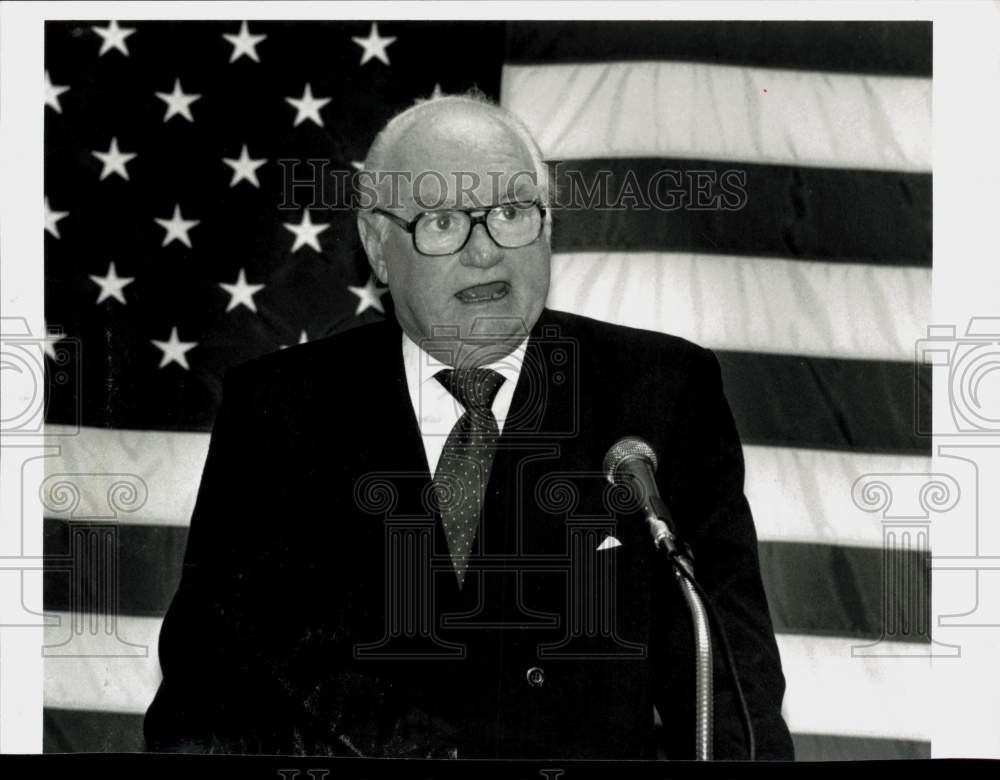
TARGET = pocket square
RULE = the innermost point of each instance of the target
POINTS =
(609, 543)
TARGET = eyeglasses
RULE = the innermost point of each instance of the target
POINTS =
(444, 232)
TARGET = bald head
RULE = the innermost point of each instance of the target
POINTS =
(453, 132)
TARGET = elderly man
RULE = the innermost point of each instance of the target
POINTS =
(404, 544)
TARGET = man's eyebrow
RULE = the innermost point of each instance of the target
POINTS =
(483, 207)
(515, 199)
(528, 189)
(525, 192)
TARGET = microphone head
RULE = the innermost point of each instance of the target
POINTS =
(625, 449)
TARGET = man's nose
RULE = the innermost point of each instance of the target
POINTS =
(481, 250)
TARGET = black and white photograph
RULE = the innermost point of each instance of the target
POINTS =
(393, 382)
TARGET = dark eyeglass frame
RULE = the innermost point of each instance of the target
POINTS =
(483, 213)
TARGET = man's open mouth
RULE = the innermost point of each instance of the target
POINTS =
(480, 293)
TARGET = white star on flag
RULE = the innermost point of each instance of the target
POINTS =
(241, 293)
(244, 44)
(244, 167)
(52, 93)
(178, 103)
(307, 107)
(368, 296)
(53, 217)
(303, 339)
(114, 160)
(306, 232)
(113, 37)
(177, 227)
(52, 337)
(112, 285)
(374, 46)
(174, 350)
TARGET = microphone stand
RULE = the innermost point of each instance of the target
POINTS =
(680, 560)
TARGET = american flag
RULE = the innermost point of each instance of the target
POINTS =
(187, 232)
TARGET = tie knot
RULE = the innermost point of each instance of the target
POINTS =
(474, 388)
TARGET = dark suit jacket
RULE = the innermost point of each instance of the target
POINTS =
(318, 613)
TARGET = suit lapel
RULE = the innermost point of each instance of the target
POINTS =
(396, 445)
(540, 398)
(529, 444)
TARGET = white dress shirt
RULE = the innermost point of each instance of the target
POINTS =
(436, 409)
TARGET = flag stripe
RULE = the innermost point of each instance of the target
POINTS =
(826, 590)
(830, 403)
(887, 48)
(140, 550)
(829, 691)
(720, 112)
(115, 670)
(751, 304)
(861, 696)
(165, 466)
(94, 731)
(91, 731)
(797, 495)
(800, 495)
(795, 401)
(828, 747)
(651, 204)
(812, 589)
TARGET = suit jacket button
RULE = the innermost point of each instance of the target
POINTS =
(536, 677)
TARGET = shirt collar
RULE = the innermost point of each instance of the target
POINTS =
(421, 366)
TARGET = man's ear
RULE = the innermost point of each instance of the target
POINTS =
(372, 242)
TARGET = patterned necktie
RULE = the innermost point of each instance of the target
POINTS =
(464, 467)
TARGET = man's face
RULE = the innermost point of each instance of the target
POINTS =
(483, 293)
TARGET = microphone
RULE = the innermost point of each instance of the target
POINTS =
(633, 459)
